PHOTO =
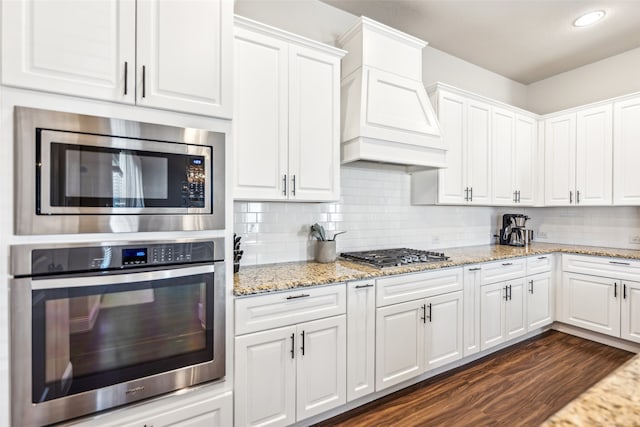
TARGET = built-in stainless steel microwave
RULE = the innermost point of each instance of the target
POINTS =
(84, 174)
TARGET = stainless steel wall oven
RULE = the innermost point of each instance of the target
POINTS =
(98, 326)
(93, 174)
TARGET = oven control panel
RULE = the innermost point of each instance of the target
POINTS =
(74, 259)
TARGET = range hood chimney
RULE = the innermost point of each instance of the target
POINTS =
(386, 114)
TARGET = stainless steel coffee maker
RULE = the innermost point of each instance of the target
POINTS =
(514, 231)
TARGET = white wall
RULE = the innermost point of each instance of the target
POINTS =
(613, 76)
(439, 66)
(374, 209)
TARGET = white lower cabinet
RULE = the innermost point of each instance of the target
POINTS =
(471, 329)
(630, 326)
(502, 312)
(361, 327)
(291, 356)
(602, 304)
(539, 301)
(292, 373)
(416, 336)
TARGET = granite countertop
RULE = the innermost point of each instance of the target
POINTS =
(614, 401)
(282, 276)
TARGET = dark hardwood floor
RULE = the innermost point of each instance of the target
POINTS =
(519, 386)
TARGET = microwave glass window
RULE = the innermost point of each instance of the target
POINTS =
(104, 335)
(104, 177)
(122, 176)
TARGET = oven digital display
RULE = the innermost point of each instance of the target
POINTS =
(134, 256)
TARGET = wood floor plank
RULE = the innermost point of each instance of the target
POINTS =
(519, 386)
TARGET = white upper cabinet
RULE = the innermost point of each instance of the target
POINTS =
(503, 122)
(626, 152)
(84, 49)
(123, 51)
(182, 46)
(594, 151)
(478, 153)
(560, 160)
(514, 158)
(286, 116)
(578, 158)
(452, 181)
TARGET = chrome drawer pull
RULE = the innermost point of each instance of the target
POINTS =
(364, 286)
(298, 296)
(542, 257)
(475, 269)
(507, 263)
(619, 263)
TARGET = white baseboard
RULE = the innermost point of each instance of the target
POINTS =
(597, 337)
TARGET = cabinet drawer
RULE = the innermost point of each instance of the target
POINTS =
(539, 264)
(499, 271)
(393, 290)
(262, 312)
(618, 268)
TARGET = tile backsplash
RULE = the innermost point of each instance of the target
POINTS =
(374, 209)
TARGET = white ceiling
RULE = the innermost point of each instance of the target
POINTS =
(524, 40)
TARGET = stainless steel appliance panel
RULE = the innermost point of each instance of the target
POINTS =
(32, 125)
(30, 409)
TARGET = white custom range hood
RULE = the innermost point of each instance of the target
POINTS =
(386, 114)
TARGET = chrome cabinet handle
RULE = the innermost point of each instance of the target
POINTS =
(531, 288)
(510, 293)
(302, 347)
(424, 313)
(370, 285)
(624, 291)
(518, 196)
(577, 197)
(284, 184)
(619, 263)
(466, 194)
(298, 296)
(430, 313)
(514, 197)
(126, 76)
(475, 269)
(471, 194)
(507, 264)
(542, 257)
(570, 196)
(144, 77)
(615, 289)
(293, 188)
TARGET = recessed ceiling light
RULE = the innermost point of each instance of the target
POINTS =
(589, 18)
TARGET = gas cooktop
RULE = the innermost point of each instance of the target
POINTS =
(394, 257)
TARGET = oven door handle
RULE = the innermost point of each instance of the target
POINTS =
(79, 280)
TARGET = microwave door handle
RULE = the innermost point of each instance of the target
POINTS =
(82, 281)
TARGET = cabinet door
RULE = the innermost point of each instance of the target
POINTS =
(626, 152)
(592, 302)
(452, 113)
(630, 311)
(322, 366)
(515, 310)
(539, 301)
(260, 117)
(477, 152)
(443, 333)
(594, 152)
(361, 328)
(526, 167)
(66, 47)
(399, 343)
(471, 301)
(265, 378)
(492, 315)
(184, 55)
(503, 134)
(560, 160)
(314, 125)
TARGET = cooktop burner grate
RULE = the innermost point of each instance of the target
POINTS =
(394, 257)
